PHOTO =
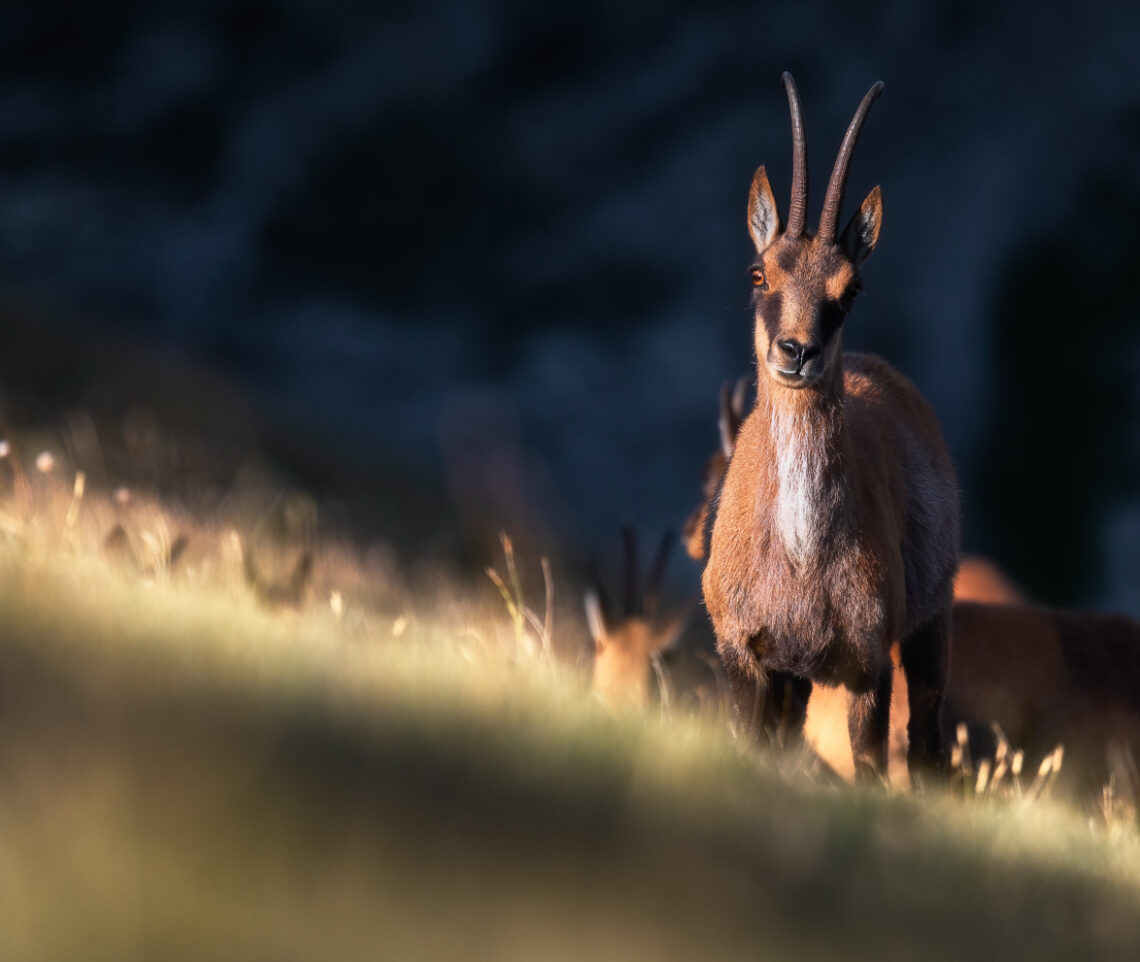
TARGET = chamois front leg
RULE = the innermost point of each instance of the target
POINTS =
(749, 689)
(771, 707)
(868, 724)
(785, 708)
(925, 661)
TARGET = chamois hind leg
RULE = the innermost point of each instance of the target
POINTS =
(869, 725)
(925, 661)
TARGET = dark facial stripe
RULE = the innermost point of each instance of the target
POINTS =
(831, 315)
(768, 306)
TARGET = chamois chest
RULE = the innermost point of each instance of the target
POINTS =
(796, 574)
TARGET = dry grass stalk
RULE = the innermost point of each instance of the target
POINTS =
(1046, 773)
(963, 745)
(999, 776)
(76, 500)
(663, 685)
(1002, 758)
(1118, 797)
(722, 696)
(983, 777)
(520, 614)
(1015, 766)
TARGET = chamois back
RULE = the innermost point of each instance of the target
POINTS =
(979, 579)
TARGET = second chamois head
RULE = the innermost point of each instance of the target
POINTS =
(625, 646)
(804, 284)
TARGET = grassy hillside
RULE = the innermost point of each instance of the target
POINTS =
(186, 774)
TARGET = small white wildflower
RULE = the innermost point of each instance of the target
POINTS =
(5, 449)
(336, 603)
(45, 462)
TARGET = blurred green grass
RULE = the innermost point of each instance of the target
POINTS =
(184, 774)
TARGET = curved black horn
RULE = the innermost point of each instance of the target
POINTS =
(834, 198)
(657, 573)
(797, 211)
(632, 595)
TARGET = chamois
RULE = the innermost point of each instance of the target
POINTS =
(1048, 676)
(625, 647)
(836, 531)
(1045, 676)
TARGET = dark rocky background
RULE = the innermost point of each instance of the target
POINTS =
(454, 265)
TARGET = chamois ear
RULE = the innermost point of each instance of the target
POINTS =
(693, 533)
(763, 218)
(732, 401)
(595, 619)
(862, 233)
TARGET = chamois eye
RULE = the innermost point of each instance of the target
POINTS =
(758, 278)
(849, 295)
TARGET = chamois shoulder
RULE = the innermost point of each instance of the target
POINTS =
(879, 391)
(873, 380)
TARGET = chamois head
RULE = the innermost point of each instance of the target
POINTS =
(804, 284)
(624, 647)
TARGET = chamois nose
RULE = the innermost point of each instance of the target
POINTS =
(796, 352)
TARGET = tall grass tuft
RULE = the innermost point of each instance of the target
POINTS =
(531, 633)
